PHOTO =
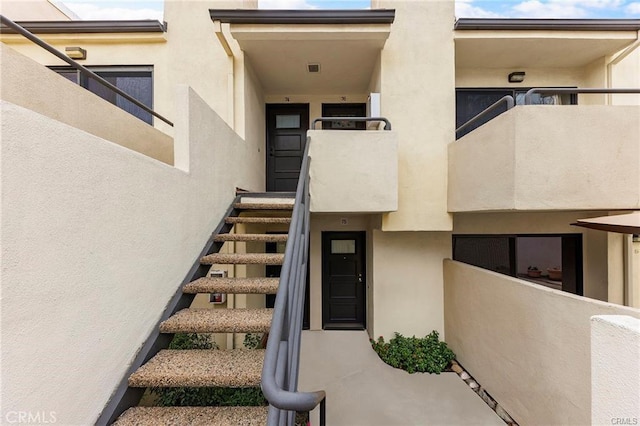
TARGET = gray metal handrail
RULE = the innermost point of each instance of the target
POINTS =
(573, 91)
(387, 123)
(508, 100)
(280, 370)
(30, 36)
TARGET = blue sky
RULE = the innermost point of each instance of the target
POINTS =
(152, 9)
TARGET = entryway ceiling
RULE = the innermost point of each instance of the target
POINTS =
(280, 54)
(546, 49)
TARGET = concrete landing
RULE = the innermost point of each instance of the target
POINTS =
(363, 390)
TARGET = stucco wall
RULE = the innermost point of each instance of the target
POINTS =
(32, 10)
(28, 84)
(527, 345)
(549, 158)
(615, 370)
(407, 282)
(97, 238)
(416, 85)
(354, 172)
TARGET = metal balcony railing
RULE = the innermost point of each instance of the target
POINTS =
(481, 118)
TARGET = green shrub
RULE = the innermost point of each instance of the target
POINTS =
(412, 354)
(203, 397)
(253, 340)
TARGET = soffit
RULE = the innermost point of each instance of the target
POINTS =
(540, 49)
(279, 54)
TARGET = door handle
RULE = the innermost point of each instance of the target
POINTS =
(359, 278)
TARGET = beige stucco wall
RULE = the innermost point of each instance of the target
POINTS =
(615, 370)
(549, 158)
(26, 83)
(527, 345)
(355, 172)
(32, 10)
(407, 282)
(416, 85)
(121, 230)
(535, 77)
(595, 247)
(625, 72)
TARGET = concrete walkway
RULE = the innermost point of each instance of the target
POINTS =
(363, 390)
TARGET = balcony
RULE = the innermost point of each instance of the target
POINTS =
(353, 171)
(547, 158)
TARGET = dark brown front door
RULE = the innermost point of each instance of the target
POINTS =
(343, 280)
(287, 126)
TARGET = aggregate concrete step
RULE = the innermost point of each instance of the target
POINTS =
(233, 286)
(265, 220)
(263, 206)
(243, 259)
(218, 321)
(267, 238)
(194, 416)
(236, 368)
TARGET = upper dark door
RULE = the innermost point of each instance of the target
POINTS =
(343, 280)
(287, 127)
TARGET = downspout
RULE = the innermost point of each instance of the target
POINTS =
(217, 28)
(616, 59)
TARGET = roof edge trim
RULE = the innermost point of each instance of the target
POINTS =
(548, 24)
(285, 16)
(72, 27)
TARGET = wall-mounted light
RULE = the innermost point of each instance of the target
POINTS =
(75, 52)
(516, 77)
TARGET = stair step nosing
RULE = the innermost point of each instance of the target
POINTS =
(252, 237)
(218, 321)
(232, 285)
(243, 259)
(201, 368)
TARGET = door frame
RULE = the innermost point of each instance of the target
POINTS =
(361, 241)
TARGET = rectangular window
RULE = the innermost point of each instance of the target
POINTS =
(136, 81)
(343, 246)
(471, 102)
(288, 121)
(552, 260)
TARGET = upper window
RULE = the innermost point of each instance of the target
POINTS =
(135, 81)
(471, 102)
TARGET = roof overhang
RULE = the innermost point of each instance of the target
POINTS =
(76, 27)
(281, 44)
(625, 223)
(540, 43)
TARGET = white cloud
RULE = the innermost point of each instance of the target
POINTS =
(538, 9)
(633, 8)
(93, 11)
(466, 9)
(284, 4)
(564, 8)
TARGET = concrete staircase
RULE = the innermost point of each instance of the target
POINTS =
(237, 368)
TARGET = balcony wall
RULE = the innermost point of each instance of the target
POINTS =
(545, 158)
(30, 85)
(527, 345)
(353, 171)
